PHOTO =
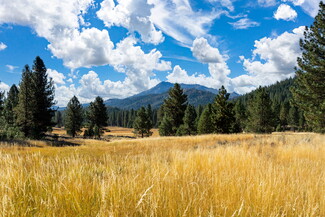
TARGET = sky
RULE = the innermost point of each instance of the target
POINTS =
(118, 48)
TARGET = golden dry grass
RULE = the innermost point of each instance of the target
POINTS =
(114, 131)
(212, 175)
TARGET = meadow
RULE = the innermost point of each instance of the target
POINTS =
(212, 175)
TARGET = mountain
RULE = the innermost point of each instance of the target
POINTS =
(197, 95)
(164, 87)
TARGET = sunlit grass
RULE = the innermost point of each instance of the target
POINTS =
(213, 175)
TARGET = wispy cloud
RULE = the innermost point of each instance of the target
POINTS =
(244, 23)
(11, 68)
(2, 46)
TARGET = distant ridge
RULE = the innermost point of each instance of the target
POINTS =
(197, 95)
(164, 86)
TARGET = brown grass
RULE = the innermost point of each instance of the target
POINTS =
(212, 175)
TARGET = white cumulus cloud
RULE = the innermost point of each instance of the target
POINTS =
(311, 7)
(273, 60)
(177, 19)
(91, 86)
(133, 15)
(78, 45)
(218, 68)
(203, 52)
(285, 12)
(57, 77)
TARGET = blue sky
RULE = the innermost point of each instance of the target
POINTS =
(117, 48)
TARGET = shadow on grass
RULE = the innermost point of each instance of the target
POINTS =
(49, 140)
(16, 142)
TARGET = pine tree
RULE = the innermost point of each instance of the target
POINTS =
(174, 108)
(189, 126)
(293, 117)
(283, 116)
(141, 123)
(43, 94)
(309, 88)
(150, 118)
(10, 105)
(26, 103)
(205, 125)
(222, 113)
(302, 121)
(2, 96)
(160, 115)
(97, 116)
(2, 119)
(166, 127)
(73, 117)
(240, 115)
(260, 118)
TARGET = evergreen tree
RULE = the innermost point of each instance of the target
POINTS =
(240, 115)
(174, 108)
(309, 88)
(26, 103)
(260, 119)
(276, 108)
(302, 121)
(2, 120)
(97, 116)
(2, 96)
(166, 127)
(141, 123)
(205, 125)
(10, 105)
(150, 118)
(73, 117)
(131, 120)
(160, 115)
(283, 116)
(43, 93)
(222, 113)
(293, 117)
(189, 126)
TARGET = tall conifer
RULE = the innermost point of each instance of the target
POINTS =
(26, 104)
(97, 115)
(73, 117)
(141, 123)
(189, 126)
(260, 118)
(205, 125)
(309, 88)
(10, 105)
(174, 108)
(222, 113)
(43, 94)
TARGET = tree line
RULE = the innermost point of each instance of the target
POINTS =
(298, 103)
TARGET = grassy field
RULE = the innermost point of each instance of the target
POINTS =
(212, 175)
(114, 132)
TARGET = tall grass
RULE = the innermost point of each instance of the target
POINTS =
(214, 175)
